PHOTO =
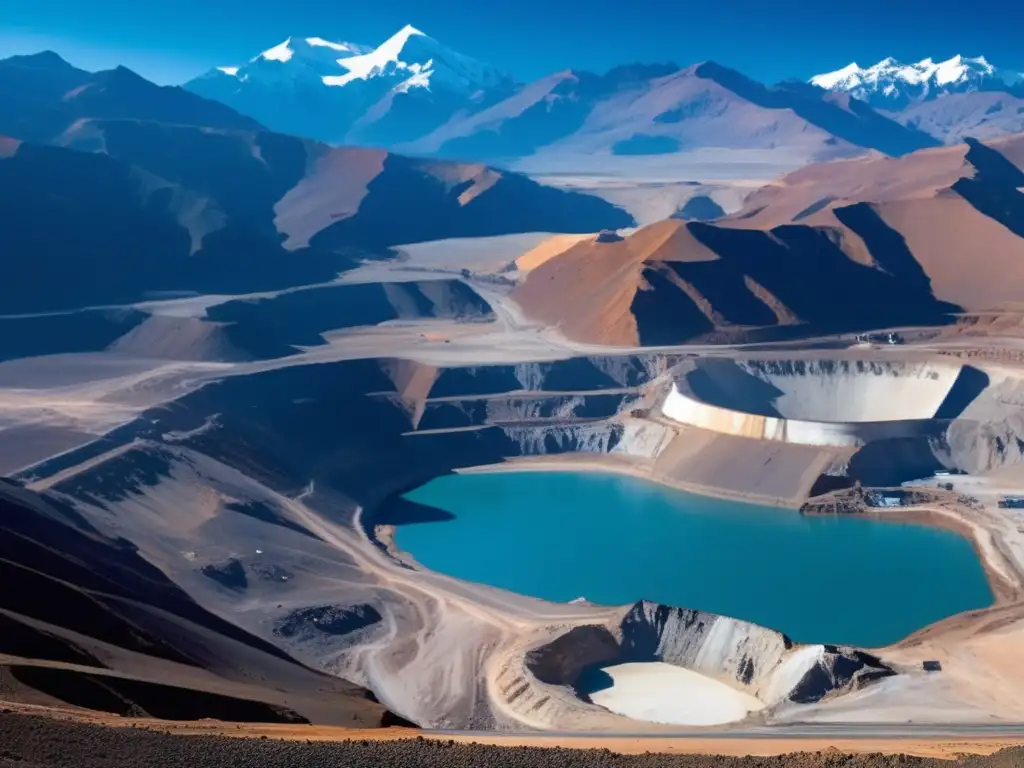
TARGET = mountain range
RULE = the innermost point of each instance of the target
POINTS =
(124, 187)
(891, 84)
(414, 95)
(951, 100)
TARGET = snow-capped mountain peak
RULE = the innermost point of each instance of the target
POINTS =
(958, 69)
(281, 52)
(413, 59)
(407, 60)
(892, 84)
(384, 59)
(311, 48)
(336, 91)
(836, 80)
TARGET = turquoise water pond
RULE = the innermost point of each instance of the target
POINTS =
(615, 539)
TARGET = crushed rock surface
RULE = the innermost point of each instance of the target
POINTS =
(37, 742)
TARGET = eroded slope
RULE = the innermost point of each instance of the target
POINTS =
(852, 245)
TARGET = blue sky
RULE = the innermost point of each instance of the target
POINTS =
(170, 41)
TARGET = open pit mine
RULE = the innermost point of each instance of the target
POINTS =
(266, 479)
(364, 440)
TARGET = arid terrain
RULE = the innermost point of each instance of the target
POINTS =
(227, 353)
(31, 740)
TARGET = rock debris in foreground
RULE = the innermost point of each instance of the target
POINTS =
(35, 742)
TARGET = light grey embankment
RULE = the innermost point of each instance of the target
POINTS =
(825, 390)
(837, 403)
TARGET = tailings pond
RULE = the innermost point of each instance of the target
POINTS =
(614, 540)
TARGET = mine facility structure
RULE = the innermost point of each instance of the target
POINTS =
(889, 337)
(851, 501)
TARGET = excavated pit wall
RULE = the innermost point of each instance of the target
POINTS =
(822, 390)
(686, 410)
(747, 656)
(818, 403)
(511, 409)
(750, 658)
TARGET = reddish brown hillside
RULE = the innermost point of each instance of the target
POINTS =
(850, 245)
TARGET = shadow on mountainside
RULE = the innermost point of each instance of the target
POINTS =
(298, 318)
(995, 188)
(58, 570)
(699, 208)
(405, 204)
(85, 331)
(805, 269)
(859, 124)
(887, 246)
(664, 314)
(73, 595)
(43, 96)
(137, 698)
(536, 126)
(561, 112)
(110, 233)
(792, 275)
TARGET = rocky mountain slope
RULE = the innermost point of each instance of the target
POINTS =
(87, 621)
(663, 110)
(849, 245)
(958, 116)
(141, 189)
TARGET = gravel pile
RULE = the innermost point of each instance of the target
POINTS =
(35, 742)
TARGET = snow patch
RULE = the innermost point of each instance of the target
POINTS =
(831, 80)
(419, 80)
(411, 59)
(233, 71)
(377, 61)
(319, 42)
(280, 52)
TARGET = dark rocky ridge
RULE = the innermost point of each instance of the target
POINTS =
(135, 698)
(74, 596)
(43, 96)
